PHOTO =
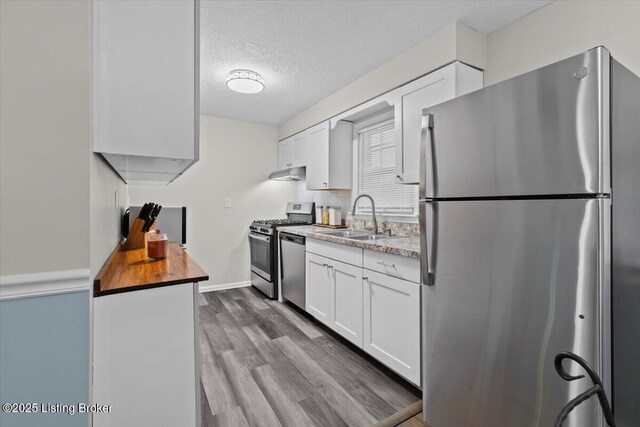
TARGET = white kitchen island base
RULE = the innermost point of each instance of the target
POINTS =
(145, 361)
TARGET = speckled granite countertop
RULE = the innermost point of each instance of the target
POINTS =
(408, 246)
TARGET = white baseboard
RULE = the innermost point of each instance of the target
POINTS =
(223, 286)
(44, 283)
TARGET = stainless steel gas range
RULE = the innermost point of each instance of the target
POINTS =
(264, 245)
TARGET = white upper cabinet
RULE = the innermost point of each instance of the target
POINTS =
(285, 153)
(329, 156)
(145, 87)
(292, 151)
(299, 149)
(442, 85)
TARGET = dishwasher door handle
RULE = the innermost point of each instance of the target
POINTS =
(292, 238)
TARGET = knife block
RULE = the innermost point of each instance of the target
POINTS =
(136, 239)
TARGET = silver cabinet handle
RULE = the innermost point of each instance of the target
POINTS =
(384, 264)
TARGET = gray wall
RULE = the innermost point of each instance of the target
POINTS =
(44, 356)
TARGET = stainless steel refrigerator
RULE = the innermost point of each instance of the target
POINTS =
(530, 229)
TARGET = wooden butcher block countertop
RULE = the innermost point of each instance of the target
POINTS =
(131, 270)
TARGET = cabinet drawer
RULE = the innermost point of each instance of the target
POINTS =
(342, 253)
(394, 265)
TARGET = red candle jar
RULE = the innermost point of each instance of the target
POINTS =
(158, 246)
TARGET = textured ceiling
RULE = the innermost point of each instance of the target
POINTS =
(306, 50)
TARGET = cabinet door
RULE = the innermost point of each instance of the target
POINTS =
(284, 153)
(299, 150)
(408, 121)
(453, 80)
(318, 287)
(392, 323)
(145, 87)
(346, 301)
(128, 328)
(318, 157)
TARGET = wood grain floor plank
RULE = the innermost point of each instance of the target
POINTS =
(369, 399)
(205, 411)
(308, 328)
(255, 297)
(228, 300)
(214, 302)
(350, 378)
(241, 343)
(202, 300)
(265, 363)
(215, 332)
(415, 421)
(321, 413)
(233, 417)
(246, 315)
(254, 405)
(286, 408)
(398, 394)
(291, 380)
(257, 336)
(348, 409)
(344, 404)
(413, 411)
(218, 390)
(270, 325)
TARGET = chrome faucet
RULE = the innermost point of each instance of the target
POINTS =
(373, 211)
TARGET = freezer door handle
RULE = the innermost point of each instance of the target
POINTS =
(426, 145)
(428, 250)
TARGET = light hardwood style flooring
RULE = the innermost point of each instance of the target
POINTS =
(264, 363)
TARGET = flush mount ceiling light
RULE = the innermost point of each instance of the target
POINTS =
(245, 81)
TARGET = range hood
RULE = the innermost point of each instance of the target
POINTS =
(298, 173)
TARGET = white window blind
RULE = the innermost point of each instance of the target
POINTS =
(376, 173)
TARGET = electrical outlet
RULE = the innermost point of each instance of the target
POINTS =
(227, 202)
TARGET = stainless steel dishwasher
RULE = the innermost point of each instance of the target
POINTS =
(292, 272)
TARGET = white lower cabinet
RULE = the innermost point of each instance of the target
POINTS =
(318, 287)
(372, 309)
(346, 301)
(145, 362)
(392, 323)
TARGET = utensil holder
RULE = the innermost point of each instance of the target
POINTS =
(137, 239)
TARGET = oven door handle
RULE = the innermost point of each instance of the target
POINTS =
(260, 237)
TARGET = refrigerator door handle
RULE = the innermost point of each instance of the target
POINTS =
(428, 253)
(424, 269)
(426, 134)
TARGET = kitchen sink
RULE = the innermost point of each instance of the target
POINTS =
(347, 234)
(356, 235)
(372, 237)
